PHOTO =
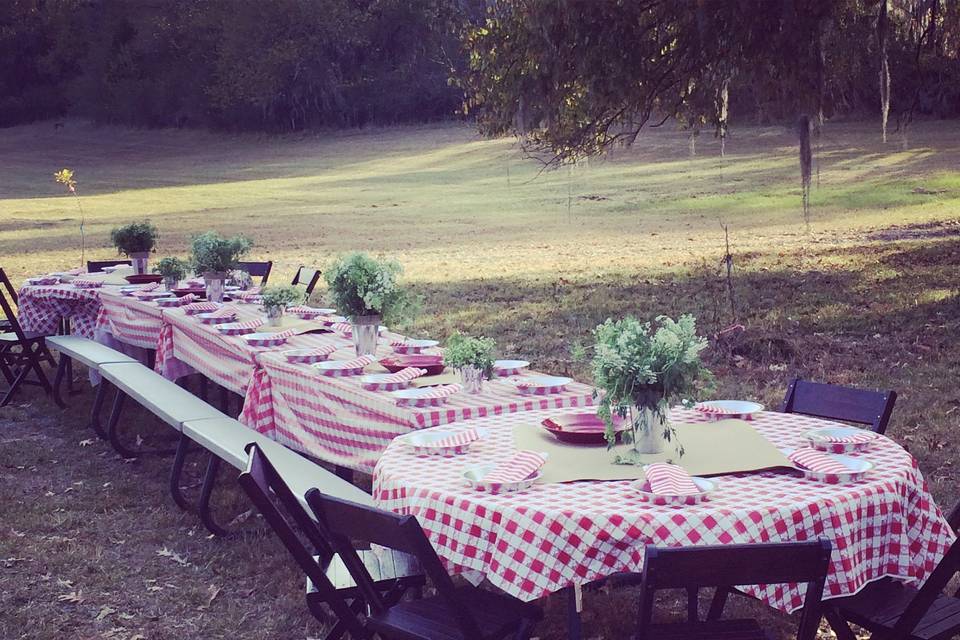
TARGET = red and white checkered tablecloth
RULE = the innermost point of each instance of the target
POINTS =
(42, 307)
(131, 321)
(337, 420)
(536, 542)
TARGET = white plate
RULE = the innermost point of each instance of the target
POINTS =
(116, 267)
(382, 382)
(315, 311)
(720, 409)
(231, 287)
(419, 397)
(415, 346)
(858, 468)
(542, 384)
(424, 442)
(263, 339)
(475, 475)
(820, 439)
(168, 302)
(151, 295)
(337, 368)
(306, 356)
(509, 367)
(231, 328)
(671, 499)
(209, 318)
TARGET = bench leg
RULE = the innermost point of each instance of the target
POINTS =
(206, 515)
(58, 380)
(98, 400)
(177, 471)
(112, 433)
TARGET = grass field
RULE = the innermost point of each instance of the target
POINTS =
(866, 295)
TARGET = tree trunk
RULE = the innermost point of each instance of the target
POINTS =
(884, 69)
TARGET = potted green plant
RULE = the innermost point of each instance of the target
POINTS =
(642, 370)
(214, 256)
(276, 299)
(366, 290)
(173, 271)
(136, 240)
(472, 358)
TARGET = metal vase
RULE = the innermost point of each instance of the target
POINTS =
(170, 283)
(472, 379)
(214, 285)
(366, 330)
(274, 316)
(649, 425)
(139, 261)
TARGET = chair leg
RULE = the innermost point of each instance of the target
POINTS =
(97, 406)
(176, 472)
(206, 516)
(58, 381)
(693, 602)
(838, 624)
(19, 379)
(718, 603)
(574, 624)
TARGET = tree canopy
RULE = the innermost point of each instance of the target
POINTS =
(574, 77)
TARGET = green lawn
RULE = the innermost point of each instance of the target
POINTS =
(866, 296)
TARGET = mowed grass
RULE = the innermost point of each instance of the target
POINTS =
(865, 295)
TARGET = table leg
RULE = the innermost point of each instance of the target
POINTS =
(574, 607)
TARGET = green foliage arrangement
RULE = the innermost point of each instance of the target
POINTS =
(281, 295)
(171, 267)
(212, 253)
(468, 351)
(136, 237)
(637, 366)
(364, 286)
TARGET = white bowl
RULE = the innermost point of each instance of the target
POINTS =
(821, 439)
(541, 384)
(475, 479)
(509, 367)
(425, 442)
(858, 468)
(337, 368)
(382, 382)
(263, 339)
(209, 318)
(725, 409)
(305, 356)
(418, 397)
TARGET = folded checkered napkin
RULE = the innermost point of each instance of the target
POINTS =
(357, 363)
(238, 328)
(187, 299)
(441, 391)
(853, 438)
(150, 287)
(342, 327)
(324, 350)
(223, 312)
(81, 283)
(458, 439)
(817, 461)
(710, 409)
(669, 479)
(200, 307)
(302, 308)
(518, 467)
(404, 375)
(249, 293)
(283, 335)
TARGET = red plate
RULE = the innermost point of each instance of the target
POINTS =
(581, 428)
(433, 364)
(144, 278)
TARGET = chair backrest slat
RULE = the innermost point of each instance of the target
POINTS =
(346, 521)
(7, 306)
(835, 402)
(309, 276)
(11, 290)
(257, 269)
(96, 266)
(260, 481)
(735, 565)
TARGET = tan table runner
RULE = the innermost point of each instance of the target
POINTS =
(289, 322)
(713, 448)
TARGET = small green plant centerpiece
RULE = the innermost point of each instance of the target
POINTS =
(366, 289)
(642, 371)
(276, 299)
(173, 270)
(472, 357)
(136, 240)
(214, 256)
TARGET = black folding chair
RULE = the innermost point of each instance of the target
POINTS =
(96, 266)
(308, 276)
(257, 270)
(20, 354)
(725, 566)
(894, 611)
(835, 402)
(328, 581)
(466, 612)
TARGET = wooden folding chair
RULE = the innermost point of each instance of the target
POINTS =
(96, 266)
(468, 612)
(20, 354)
(724, 566)
(257, 270)
(894, 611)
(309, 276)
(328, 581)
(835, 402)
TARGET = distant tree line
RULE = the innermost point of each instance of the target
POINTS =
(571, 76)
(236, 64)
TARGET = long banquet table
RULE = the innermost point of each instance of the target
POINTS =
(553, 536)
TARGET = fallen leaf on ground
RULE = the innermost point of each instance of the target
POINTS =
(105, 610)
